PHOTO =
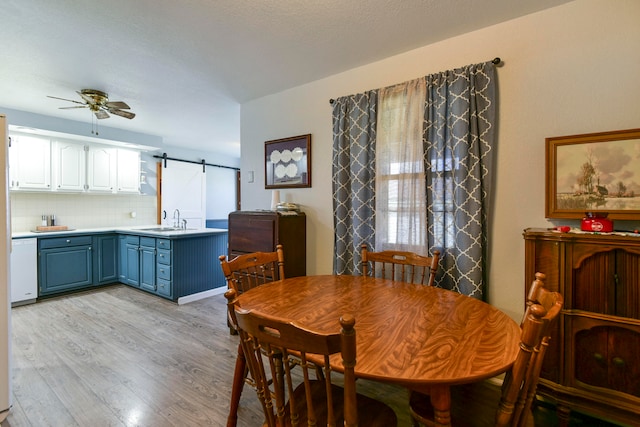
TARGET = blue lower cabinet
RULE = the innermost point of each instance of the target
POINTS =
(145, 263)
(168, 267)
(64, 264)
(106, 259)
(164, 261)
(148, 264)
(129, 260)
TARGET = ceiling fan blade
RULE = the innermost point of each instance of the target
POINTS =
(101, 114)
(117, 104)
(76, 106)
(125, 114)
(65, 99)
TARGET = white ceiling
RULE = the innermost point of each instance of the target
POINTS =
(184, 67)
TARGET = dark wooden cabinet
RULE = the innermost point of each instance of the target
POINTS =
(261, 231)
(593, 363)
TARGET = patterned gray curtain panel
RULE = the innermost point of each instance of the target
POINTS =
(354, 134)
(459, 131)
(459, 128)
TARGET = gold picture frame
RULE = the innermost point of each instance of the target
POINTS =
(596, 172)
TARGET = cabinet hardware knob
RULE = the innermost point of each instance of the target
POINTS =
(618, 361)
(599, 357)
(68, 241)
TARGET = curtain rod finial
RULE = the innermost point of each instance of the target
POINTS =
(331, 101)
(497, 61)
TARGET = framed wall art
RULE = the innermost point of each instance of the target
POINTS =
(597, 172)
(288, 162)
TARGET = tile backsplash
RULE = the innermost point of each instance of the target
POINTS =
(81, 210)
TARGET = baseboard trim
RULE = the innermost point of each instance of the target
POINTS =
(202, 295)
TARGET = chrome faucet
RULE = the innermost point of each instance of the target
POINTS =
(176, 222)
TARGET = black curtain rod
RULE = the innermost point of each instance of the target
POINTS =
(496, 61)
(202, 162)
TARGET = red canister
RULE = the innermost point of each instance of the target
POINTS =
(597, 222)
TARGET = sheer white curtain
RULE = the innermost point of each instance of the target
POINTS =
(401, 211)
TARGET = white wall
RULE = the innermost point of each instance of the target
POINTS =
(568, 70)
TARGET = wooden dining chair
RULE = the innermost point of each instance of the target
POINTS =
(243, 273)
(288, 397)
(247, 271)
(400, 265)
(474, 405)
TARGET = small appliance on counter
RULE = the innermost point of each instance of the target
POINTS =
(597, 222)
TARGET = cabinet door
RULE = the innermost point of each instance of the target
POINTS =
(591, 356)
(33, 158)
(69, 164)
(106, 251)
(128, 171)
(607, 357)
(605, 281)
(101, 169)
(122, 259)
(66, 268)
(148, 268)
(132, 257)
(593, 285)
(624, 369)
(627, 284)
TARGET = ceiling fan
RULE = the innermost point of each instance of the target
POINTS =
(98, 102)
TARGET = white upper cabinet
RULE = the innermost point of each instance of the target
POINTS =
(102, 169)
(128, 171)
(30, 162)
(36, 163)
(69, 165)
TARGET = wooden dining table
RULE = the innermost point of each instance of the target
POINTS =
(420, 337)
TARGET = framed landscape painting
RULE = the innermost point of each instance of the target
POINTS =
(597, 172)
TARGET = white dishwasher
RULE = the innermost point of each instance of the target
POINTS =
(24, 271)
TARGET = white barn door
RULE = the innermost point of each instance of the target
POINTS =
(184, 187)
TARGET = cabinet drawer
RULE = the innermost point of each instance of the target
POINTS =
(164, 287)
(252, 234)
(148, 241)
(163, 243)
(164, 257)
(61, 242)
(132, 240)
(163, 272)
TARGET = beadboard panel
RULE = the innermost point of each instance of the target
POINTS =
(196, 267)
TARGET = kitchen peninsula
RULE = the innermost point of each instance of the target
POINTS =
(173, 263)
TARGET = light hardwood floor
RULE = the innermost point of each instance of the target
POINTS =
(117, 356)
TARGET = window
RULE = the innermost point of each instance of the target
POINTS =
(401, 211)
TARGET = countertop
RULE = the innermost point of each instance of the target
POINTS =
(142, 230)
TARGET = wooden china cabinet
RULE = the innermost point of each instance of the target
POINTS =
(593, 363)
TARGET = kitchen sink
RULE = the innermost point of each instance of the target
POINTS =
(166, 229)
(162, 229)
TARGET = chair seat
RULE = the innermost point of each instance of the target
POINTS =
(472, 405)
(371, 412)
